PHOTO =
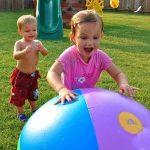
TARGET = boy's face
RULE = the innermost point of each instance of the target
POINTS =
(87, 38)
(29, 32)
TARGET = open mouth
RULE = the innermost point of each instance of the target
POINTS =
(31, 36)
(89, 49)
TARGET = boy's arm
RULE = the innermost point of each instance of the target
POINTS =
(42, 49)
(18, 53)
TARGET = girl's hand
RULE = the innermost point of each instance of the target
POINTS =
(65, 94)
(127, 89)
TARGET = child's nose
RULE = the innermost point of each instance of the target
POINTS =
(32, 32)
(89, 42)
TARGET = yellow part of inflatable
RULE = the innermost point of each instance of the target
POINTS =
(97, 5)
(130, 123)
(114, 3)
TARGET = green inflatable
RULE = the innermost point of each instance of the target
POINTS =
(49, 18)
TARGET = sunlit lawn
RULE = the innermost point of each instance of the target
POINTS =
(126, 40)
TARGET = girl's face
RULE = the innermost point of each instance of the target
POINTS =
(29, 32)
(87, 38)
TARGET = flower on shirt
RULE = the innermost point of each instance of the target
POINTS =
(81, 79)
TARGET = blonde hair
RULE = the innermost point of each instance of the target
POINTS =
(82, 17)
(23, 20)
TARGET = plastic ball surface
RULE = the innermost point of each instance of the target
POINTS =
(97, 120)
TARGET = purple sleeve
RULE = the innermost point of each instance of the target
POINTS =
(106, 61)
(64, 58)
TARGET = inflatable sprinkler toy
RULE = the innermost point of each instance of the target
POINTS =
(97, 120)
(97, 5)
(114, 3)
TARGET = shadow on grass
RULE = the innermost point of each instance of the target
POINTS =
(133, 39)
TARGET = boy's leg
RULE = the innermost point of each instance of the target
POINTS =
(32, 105)
(17, 100)
(21, 116)
(33, 97)
(20, 110)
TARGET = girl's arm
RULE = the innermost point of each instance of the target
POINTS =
(121, 80)
(54, 79)
(54, 76)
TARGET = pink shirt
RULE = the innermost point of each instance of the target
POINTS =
(77, 73)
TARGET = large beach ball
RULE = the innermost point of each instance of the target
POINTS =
(97, 120)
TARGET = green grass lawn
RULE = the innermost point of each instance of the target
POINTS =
(126, 40)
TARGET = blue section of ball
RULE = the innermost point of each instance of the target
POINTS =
(59, 127)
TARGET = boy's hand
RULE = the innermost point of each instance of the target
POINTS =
(127, 89)
(28, 49)
(39, 46)
(65, 94)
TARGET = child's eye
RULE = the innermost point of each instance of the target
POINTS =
(96, 37)
(83, 37)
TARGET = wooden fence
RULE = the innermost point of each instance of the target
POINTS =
(15, 4)
(126, 5)
(131, 5)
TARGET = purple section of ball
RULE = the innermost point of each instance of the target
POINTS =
(104, 108)
(142, 140)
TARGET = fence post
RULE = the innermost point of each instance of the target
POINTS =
(8, 4)
(23, 4)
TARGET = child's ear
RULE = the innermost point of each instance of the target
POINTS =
(102, 34)
(73, 41)
(72, 38)
(19, 31)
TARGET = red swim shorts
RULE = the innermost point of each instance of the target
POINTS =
(24, 86)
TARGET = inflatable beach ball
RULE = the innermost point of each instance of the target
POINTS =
(97, 120)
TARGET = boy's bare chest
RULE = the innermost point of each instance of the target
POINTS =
(32, 56)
